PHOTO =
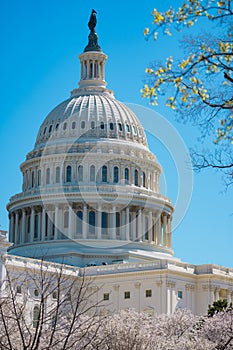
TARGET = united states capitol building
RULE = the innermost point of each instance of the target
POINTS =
(91, 199)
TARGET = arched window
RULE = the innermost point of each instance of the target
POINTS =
(126, 175)
(120, 126)
(104, 174)
(104, 220)
(68, 173)
(57, 126)
(66, 219)
(92, 125)
(80, 173)
(36, 316)
(64, 126)
(92, 222)
(92, 173)
(82, 124)
(57, 179)
(45, 130)
(111, 126)
(32, 179)
(47, 176)
(143, 179)
(39, 178)
(136, 177)
(79, 222)
(50, 128)
(127, 127)
(73, 125)
(116, 174)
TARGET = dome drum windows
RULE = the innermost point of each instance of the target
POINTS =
(115, 174)
(73, 125)
(126, 175)
(120, 127)
(111, 126)
(104, 173)
(127, 128)
(68, 173)
(83, 124)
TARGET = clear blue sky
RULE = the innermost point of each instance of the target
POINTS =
(40, 42)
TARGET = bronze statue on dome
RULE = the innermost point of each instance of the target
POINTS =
(92, 37)
(92, 21)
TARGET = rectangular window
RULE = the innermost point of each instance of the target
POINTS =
(127, 295)
(148, 293)
(106, 296)
(180, 294)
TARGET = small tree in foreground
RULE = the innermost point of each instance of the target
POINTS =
(49, 306)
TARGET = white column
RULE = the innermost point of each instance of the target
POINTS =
(148, 180)
(228, 296)
(158, 230)
(84, 222)
(217, 294)
(88, 69)
(99, 222)
(143, 227)
(123, 224)
(32, 225)
(169, 231)
(165, 230)
(16, 228)
(43, 227)
(139, 225)
(71, 227)
(56, 222)
(11, 226)
(113, 223)
(23, 226)
(211, 297)
(141, 178)
(150, 226)
(39, 226)
(134, 226)
(127, 223)
(168, 300)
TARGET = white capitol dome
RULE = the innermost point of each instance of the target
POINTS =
(90, 191)
(90, 115)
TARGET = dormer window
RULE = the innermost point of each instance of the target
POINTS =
(120, 126)
(127, 128)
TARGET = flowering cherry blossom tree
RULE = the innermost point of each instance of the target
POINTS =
(198, 86)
